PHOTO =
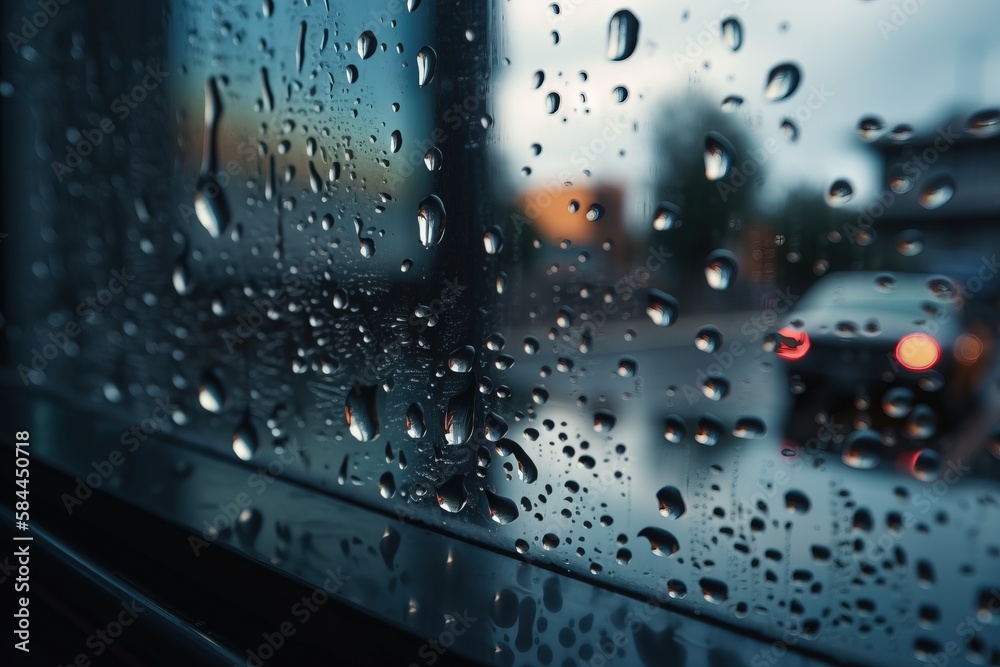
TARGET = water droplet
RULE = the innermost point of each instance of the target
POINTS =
(360, 412)
(718, 156)
(984, 124)
(181, 278)
(924, 465)
(870, 128)
(431, 221)
(937, 192)
(627, 367)
(210, 206)
(713, 590)
(367, 44)
(789, 130)
(922, 423)
(604, 421)
(432, 159)
(862, 449)
(493, 240)
(552, 103)
(674, 429)
(671, 502)
(623, 35)
(732, 103)
(839, 193)
(677, 589)
(531, 345)
(495, 427)
(502, 510)
(211, 395)
(797, 502)
(666, 216)
(715, 388)
(781, 82)
(732, 33)
(245, 439)
(661, 542)
(451, 495)
(750, 428)
(720, 269)
(426, 65)
(415, 427)
(395, 141)
(661, 308)
(526, 469)
(709, 431)
(708, 339)
(539, 395)
(387, 485)
(620, 93)
(460, 359)
(459, 416)
(910, 243)
(897, 402)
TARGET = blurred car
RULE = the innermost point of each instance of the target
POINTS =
(904, 354)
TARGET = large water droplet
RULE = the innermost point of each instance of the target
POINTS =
(623, 35)
(245, 439)
(781, 82)
(367, 44)
(708, 339)
(502, 510)
(750, 428)
(671, 502)
(426, 65)
(459, 416)
(451, 495)
(661, 308)
(897, 402)
(984, 124)
(732, 33)
(211, 395)
(937, 192)
(718, 157)
(660, 541)
(666, 216)
(460, 359)
(713, 590)
(863, 449)
(840, 193)
(360, 412)
(720, 269)
(415, 427)
(431, 221)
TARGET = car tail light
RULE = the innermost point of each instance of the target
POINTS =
(792, 344)
(917, 351)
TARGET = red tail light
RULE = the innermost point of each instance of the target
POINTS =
(792, 344)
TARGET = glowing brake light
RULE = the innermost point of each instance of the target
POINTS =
(792, 344)
(917, 351)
